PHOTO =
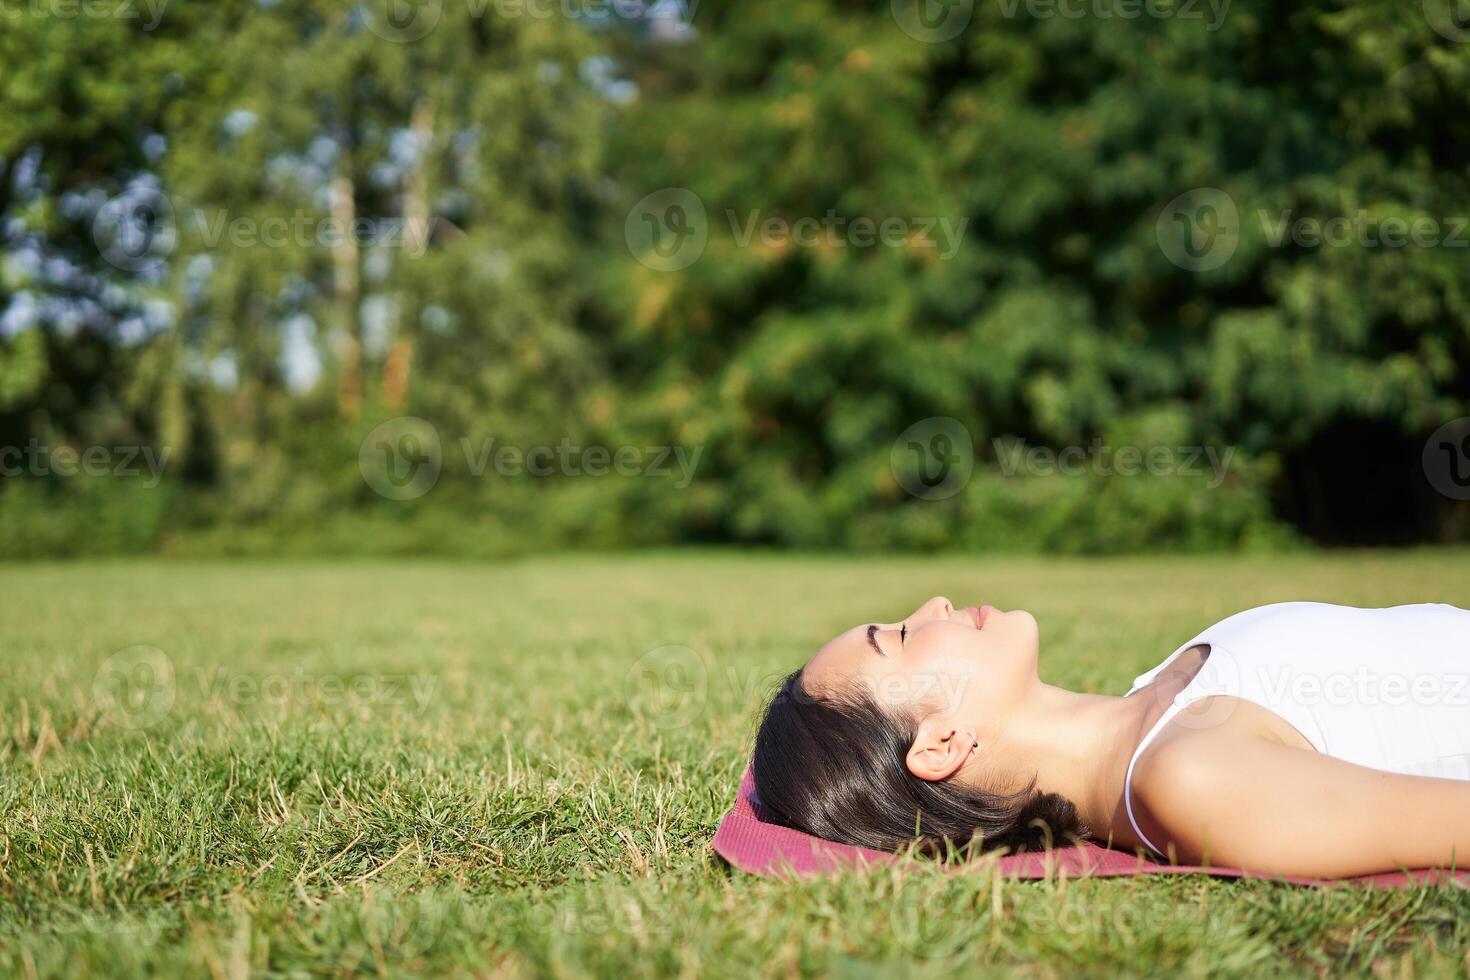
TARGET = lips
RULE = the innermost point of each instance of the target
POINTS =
(980, 614)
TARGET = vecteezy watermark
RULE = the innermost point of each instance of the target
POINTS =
(921, 926)
(148, 12)
(135, 231)
(669, 229)
(299, 686)
(597, 12)
(670, 687)
(937, 21)
(621, 916)
(302, 229)
(407, 21)
(1446, 459)
(401, 459)
(1449, 18)
(567, 458)
(1199, 230)
(932, 21)
(1364, 686)
(135, 686)
(402, 21)
(1362, 230)
(138, 687)
(1277, 686)
(933, 458)
(402, 927)
(138, 230)
(1100, 459)
(833, 231)
(1215, 10)
(915, 691)
(38, 459)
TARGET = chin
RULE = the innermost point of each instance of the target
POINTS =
(1020, 623)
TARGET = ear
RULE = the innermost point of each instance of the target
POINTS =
(939, 749)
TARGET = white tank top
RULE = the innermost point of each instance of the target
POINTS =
(1383, 688)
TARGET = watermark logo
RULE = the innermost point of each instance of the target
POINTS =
(38, 459)
(1447, 459)
(834, 231)
(139, 686)
(135, 231)
(668, 687)
(671, 18)
(1362, 686)
(139, 229)
(401, 459)
(567, 458)
(1220, 673)
(136, 686)
(221, 686)
(148, 12)
(403, 21)
(1363, 231)
(1103, 460)
(929, 929)
(405, 927)
(1199, 230)
(668, 229)
(1120, 10)
(623, 916)
(934, 458)
(146, 930)
(932, 21)
(1449, 18)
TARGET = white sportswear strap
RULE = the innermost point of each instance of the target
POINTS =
(1169, 713)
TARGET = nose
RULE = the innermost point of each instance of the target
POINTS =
(938, 608)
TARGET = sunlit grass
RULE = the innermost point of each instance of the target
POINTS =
(277, 768)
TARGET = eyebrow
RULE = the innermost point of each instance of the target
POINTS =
(872, 642)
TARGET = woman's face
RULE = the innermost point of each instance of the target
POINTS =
(970, 665)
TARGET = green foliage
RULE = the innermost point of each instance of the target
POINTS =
(84, 515)
(1059, 319)
(356, 228)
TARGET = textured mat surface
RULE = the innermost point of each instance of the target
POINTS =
(757, 846)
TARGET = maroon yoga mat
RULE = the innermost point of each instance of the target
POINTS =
(753, 844)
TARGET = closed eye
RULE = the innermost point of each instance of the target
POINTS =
(903, 633)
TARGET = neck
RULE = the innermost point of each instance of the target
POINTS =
(1079, 745)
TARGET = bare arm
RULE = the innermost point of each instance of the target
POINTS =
(1242, 801)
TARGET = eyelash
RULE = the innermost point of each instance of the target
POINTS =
(902, 633)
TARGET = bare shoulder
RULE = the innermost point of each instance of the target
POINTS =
(1196, 762)
(1181, 780)
(1235, 796)
(1202, 755)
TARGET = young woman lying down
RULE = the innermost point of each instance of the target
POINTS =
(1299, 738)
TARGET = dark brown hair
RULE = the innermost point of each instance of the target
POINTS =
(834, 766)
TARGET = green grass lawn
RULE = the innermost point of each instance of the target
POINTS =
(281, 768)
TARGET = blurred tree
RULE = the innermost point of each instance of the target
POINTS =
(293, 211)
(430, 174)
(252, 231)
(1056, 141)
